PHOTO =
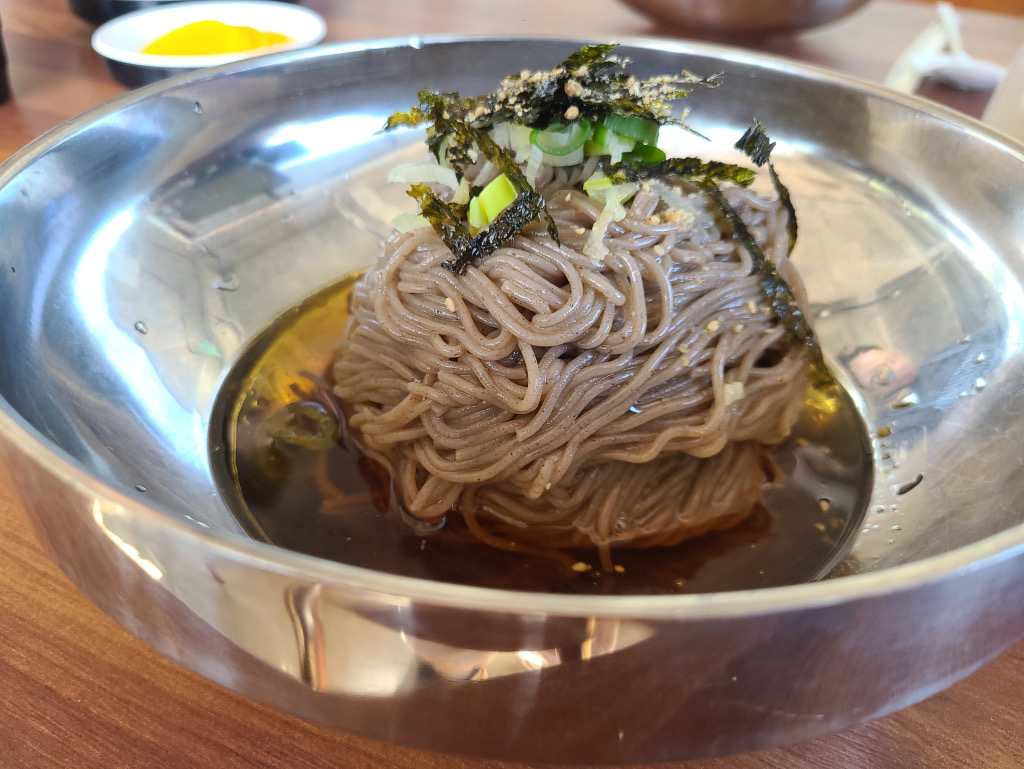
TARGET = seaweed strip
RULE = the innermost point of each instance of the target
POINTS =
(756, 145)
(690, 168)
(585, 81)
(455, 234)
(774, 287)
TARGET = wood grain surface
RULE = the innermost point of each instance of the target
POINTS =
(76, 690)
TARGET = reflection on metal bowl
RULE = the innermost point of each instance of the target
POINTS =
(724, 19)
(146, 244)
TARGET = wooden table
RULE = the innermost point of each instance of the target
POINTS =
(76, 690)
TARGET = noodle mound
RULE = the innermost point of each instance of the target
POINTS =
(556, 400)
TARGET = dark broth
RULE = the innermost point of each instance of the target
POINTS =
(798, 534)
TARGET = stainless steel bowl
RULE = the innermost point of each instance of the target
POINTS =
(146, 243)
(723, 19)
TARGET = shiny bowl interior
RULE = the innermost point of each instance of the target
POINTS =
(149, 242)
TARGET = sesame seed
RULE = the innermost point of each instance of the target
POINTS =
(620, 568)
(712, 326)
(737, 328)
(819, 526)
(654, 219)
(568, 197)
(732, 392)
(580, 230)
(678, 216)
(751, 307)
(449, 303)
(572, 113)
(580, 567)
(659, 250)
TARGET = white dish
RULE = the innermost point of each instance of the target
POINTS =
(121, 40)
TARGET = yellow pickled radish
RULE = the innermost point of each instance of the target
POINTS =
(205, 38)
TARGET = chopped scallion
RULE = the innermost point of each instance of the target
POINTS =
(561, 139)
(484, 208)
(607, 142)
(644, 153)
(641, 129)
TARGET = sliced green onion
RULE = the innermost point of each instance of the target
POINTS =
(641, 129)
(602, 189)
(475, 215)
(574, 158)
(607, 142)
(306, 424)
(484, 208)
(597, 183)
(644, 153)
(561, 139)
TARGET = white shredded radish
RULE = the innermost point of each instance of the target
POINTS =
(424, 173)
(499, 133)
(533, 161)
(514, 137)
(673, 197)
(613, 211)
(408, 222)
(461, 192)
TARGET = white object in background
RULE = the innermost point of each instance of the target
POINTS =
(123, 38)
(938, 51)
(1005, 110)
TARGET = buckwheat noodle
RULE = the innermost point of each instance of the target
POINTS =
(554, 400)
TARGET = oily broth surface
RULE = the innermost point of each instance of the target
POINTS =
(338, 505)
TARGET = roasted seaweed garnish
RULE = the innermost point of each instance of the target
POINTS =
(589, 84)
(688, 168)
(454, 233)
(446, 120)
(756, 145)
(459, 140)
(774, 287)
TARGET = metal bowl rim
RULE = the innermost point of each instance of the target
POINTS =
(985, 553)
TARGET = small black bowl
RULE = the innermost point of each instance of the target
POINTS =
(99, 11)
